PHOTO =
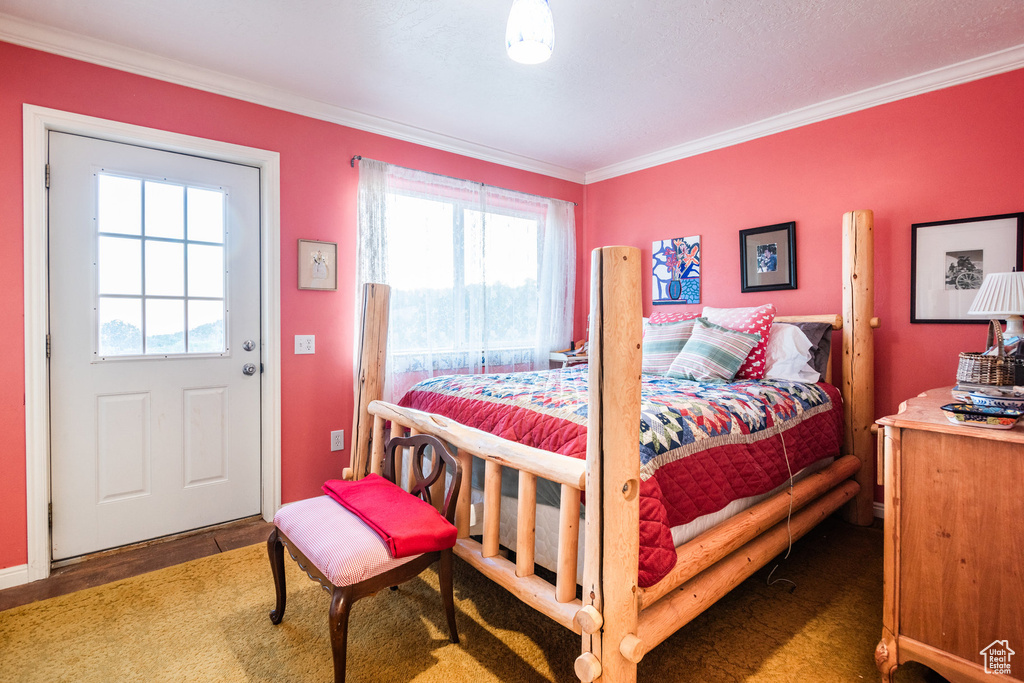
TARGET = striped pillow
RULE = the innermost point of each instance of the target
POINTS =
(754, 319)
(713, 353)
(663, 342)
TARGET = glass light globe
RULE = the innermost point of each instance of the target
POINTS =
(530, 34)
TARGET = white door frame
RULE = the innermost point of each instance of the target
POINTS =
(38, 121)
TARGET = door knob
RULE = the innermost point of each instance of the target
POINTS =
(249, 369)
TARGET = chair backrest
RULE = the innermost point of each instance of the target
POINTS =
(439, 458)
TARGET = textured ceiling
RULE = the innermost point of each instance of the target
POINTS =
(627, 78)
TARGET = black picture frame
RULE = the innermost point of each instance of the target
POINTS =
(948, 261)
(768, 258)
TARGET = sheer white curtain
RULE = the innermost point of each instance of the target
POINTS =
(482, 279)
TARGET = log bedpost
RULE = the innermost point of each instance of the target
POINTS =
(858, 387)
(369, 378)
(613, 463)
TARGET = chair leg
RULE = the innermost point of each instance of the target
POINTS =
(275, 550)
(447, 593)
(341, 604)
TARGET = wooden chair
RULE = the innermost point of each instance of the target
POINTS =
(349, 560)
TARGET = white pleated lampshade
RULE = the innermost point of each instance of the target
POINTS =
(530, 33)
(1001, 294)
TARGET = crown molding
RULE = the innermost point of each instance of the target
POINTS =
(937, 79)
(67, 44)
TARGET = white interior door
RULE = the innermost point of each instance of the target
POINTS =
(154, 318)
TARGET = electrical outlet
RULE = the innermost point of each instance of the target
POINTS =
(338, 440)
(305, 343)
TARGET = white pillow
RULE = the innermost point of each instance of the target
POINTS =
(788, 355)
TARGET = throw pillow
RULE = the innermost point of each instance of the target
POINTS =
(662, 343)
(671, 316)
(713, 353)
(789, 355)
(753, 320)
(820, 336)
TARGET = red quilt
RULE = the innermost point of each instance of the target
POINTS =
(702, 446)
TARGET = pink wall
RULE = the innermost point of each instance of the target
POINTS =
(949, 154)
(318, 201)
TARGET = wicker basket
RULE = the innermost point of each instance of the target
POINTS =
(999, 370)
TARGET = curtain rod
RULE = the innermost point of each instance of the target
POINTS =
(353, 160)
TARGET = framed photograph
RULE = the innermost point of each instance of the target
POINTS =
(949, 260)
(318, 265)
(768, 258)
(675, 270)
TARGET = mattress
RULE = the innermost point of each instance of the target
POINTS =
(701, 446)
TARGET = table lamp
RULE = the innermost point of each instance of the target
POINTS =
(1002, 296)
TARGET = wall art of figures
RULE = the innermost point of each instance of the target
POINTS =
(676, 271)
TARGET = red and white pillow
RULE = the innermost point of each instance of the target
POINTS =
(670, 317)
(755, 319)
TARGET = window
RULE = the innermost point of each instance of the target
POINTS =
(463, 282)
(160, 268)
(475, 273)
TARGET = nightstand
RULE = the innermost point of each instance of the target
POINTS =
(954, 544)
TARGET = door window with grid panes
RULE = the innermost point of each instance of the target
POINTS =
(160, 268)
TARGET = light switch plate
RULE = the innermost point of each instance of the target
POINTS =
(338, 440)
(305, 343)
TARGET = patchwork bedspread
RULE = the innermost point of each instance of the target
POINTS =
(701, 445)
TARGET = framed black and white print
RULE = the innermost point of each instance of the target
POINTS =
(949, 261)
(768, 258)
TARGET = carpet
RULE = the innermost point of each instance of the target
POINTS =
(207, 620)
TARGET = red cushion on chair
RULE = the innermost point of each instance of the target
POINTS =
(408, 525)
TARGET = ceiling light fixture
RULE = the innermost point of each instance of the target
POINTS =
(530, 34)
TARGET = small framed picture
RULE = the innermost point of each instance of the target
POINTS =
(768, 258)
(318, 265)
(949, 260)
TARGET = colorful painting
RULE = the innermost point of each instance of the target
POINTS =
(676, 271)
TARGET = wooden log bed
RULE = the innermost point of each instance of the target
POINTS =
(619, 621)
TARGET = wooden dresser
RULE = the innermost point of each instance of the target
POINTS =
(954, 544)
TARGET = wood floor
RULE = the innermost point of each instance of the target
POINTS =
(114, 565)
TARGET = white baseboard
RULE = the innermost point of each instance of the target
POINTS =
(13, 576)
(880, 510)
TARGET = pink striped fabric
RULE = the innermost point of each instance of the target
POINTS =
(340, 544)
